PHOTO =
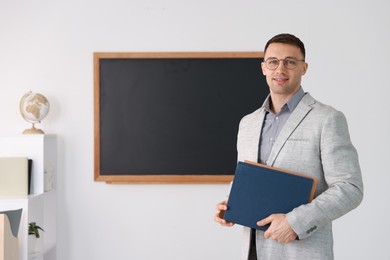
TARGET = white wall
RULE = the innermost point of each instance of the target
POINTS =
(46, 46)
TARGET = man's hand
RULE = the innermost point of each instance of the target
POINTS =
(279, 229)
(219, 212)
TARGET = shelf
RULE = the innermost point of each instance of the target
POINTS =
(42, 149)
(40, 206)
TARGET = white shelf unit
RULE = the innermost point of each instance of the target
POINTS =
(40, 206)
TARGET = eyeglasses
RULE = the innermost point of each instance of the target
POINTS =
(289, 63)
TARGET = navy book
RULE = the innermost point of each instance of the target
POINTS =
(259, 190)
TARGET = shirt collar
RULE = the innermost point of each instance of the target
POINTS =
(291, 104)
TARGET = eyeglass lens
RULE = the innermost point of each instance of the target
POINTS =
(288, 63)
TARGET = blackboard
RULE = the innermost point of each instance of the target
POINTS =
(172, 117)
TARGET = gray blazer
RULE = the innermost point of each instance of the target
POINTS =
(314, 141)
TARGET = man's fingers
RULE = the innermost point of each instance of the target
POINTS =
(221, 207)
(222, 221)
(279, 229)
(219, 213)
(265, 221)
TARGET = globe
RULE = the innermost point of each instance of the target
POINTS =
(34, 107)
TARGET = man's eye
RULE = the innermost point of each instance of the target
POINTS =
(273, 62)
(290, 62)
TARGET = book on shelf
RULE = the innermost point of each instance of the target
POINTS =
(29, 176)
(14, 179)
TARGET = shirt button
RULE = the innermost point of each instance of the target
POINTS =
(277, 118)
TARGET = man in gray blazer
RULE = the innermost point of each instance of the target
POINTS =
(293, 131)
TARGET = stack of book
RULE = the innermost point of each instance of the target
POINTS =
(259, 190)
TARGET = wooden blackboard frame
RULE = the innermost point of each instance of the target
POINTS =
(178, 179)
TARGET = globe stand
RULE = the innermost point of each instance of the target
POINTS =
(33, 130)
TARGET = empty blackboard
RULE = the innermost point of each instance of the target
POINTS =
(172, 117)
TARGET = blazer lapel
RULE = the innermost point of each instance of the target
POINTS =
(254, 131)
(292, 123)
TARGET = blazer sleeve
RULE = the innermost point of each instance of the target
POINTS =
(342, 175)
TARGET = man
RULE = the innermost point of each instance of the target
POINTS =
(293, 131)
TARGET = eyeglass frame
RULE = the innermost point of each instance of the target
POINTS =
(284, 62)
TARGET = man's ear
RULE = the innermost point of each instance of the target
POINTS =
(263, 68)
(304, 69)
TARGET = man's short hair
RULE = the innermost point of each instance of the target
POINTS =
(287, 38)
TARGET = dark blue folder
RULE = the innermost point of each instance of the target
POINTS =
(259, 191)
